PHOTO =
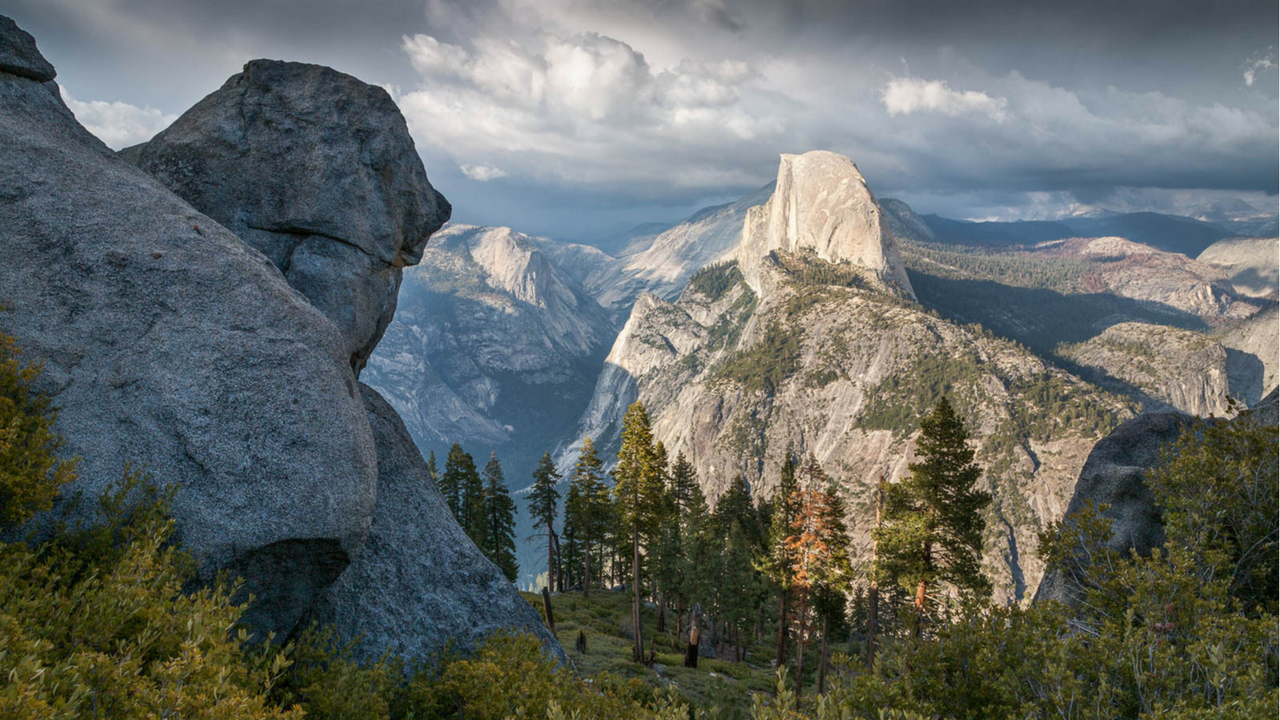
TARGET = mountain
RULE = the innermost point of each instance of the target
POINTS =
(1060, 298)
(1173, 233)
(224, 365)
(833, 357)
(493, 345)
(1251, 264)
(821, 205)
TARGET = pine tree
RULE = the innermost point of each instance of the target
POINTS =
(500, 520)
(778, 562)
(588, 515)
(933, 524)
(637, 488)
(456, 468)
(433, 472)
(544, 501)
(471, 501)
(820, 561)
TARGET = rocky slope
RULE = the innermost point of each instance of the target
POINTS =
(1252, 355)
(1167, 367)
(172, 345)
(1251, 264)
(660, 264)
(834, 360)
(493, 346)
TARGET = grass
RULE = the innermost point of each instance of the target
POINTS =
(605, 618)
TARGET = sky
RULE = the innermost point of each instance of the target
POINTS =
(581, 118)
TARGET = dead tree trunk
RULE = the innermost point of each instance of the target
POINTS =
(546, 605)
(638, 648)
(691, 652)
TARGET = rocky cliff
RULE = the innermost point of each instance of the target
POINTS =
(493, 346)
(1251, 264)
(820, 202)
(173, 345)
(1166, 367)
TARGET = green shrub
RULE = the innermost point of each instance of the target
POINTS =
(30, 470)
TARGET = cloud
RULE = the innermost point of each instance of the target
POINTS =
(118, 124)
(482, 173)
(1258, 63)
(905, 96)
(584, 109)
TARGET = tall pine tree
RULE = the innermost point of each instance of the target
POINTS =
(778, 562)
(500, 520)
(932, 528)
(588, 514)
(471, 502)
(544, 502)
(457, 466)
(637, 491)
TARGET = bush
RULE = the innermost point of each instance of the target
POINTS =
(30, 471)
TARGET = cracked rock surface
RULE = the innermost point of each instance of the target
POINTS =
(315, 169)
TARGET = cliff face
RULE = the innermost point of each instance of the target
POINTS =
(821, 203)
(1168, 367)
(1252, 264)
(174, 345)
(493, 346)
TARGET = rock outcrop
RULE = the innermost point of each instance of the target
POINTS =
(420, 583)
(1168, 367)
(315, 169)
(1114, 476)
(492, 346)
(1253, 356)
(821, 203)
(171, 347)
(1252, 264)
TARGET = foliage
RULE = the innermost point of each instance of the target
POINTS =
(765, 365)
(457, 467)
(544, 502)
(96, 624)
(933, 523)
(713, 281)
(500, 520)
(588, 519)
(638, 493)
(30, 470)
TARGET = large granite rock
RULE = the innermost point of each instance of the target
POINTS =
(317, 170)
(1114, 475)
(18, 53)
(821, 203)
(420, 583)
(171, 347)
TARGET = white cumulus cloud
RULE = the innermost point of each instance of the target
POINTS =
(118, 124)
(905, 96)
(482, 173)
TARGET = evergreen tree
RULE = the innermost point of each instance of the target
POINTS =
(30, 470)
(778, 561)
(433, 472)
(457, 466)
(588, 513)
(637, 491)
(471, 501)
(544, 501)
(933, 524)
(820, 561)
(500, 520)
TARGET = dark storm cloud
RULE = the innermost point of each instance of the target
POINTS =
(534, 111)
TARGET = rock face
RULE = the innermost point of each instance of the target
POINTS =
(1170, 368)
(19, 55)
(315, 169)
(420, 583)
(1114, 475)
(661, 263)
(1253, 354)
(170, 346)
(173, 346)
(822, 203)
(493, 346)
(1252, 264)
